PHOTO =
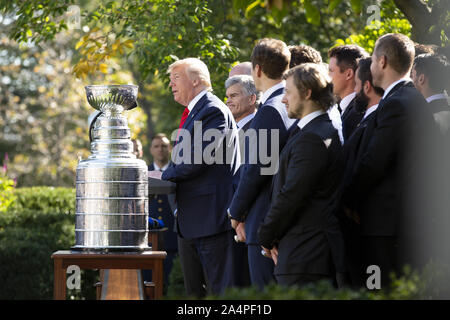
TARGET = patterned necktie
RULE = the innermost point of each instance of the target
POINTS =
(184, 117)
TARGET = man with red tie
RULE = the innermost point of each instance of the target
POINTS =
(204, 182)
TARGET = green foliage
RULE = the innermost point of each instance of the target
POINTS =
(38, 223)
(376, 29)
(175, 289)
(6, 192)
(431, 283)
(37, 20)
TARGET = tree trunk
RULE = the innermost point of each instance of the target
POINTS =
(421, 18)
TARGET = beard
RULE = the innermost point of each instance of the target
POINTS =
(361, 101)
(295, 113)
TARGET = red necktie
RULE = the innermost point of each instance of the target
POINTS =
(184, 117)
(182, 121)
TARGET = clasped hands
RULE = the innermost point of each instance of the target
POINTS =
(239, 227)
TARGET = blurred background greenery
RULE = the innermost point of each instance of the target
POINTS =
(49, 50)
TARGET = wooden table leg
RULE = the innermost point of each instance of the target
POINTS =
(157, 273)
(59, 285)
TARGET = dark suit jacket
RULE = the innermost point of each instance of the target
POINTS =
(390, 161)
(441, 111)
(350, 119)
(301, 219)
(160, 208)
(204, 190)
(439, 105)
(251, 200)
(354, 148)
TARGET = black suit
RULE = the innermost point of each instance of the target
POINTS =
(388, 179)
(441, 112)
(351, 117)
(300, 221)
(354, 148)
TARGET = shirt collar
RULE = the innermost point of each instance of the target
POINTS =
(309, 117)
(393, 84)
(158, 168)
(436, 97)
(346, 101)
(245, 120)
(194, 101)
(370, 110)
(271, 90)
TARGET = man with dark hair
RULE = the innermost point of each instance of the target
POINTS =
(385, 178)
(431, 76)
(300, 227)
(420, 48)
(303, 54)
(342, 67)
(270, 59)
(367, 97)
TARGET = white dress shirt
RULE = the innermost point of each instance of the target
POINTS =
(157, 168)
(436, 97)
(245, 120)
(393, 84)
(309, 117)
(370, 110)
(335, 115)
(194, 101)
(277, 104)
(271, 90)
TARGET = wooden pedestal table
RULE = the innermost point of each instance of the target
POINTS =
(111, 260)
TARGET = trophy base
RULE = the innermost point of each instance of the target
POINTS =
(123, 249)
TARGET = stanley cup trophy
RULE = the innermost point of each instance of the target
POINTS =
(111, 184)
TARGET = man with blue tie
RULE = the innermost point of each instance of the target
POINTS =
(251, 201)
(204, 180)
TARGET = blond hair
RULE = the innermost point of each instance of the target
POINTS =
(195, 68)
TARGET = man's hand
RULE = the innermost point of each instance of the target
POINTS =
(234, 223)
(155, 174)
(352, 214)
(240, 231)
(274, 254)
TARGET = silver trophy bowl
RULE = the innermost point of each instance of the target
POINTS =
(107, 98)
(111, 184)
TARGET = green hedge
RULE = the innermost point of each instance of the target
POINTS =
(39, 222)
(433, 282)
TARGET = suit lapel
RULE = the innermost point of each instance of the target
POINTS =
(347, 110)
(198, 106)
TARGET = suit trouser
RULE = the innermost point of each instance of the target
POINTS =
(241, 272)
(207, 263)
(261, 268)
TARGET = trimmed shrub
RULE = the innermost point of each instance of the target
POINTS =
(39, 222)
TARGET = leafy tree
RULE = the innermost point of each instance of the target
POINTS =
(430, 19)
